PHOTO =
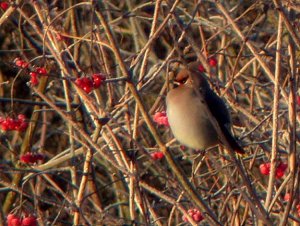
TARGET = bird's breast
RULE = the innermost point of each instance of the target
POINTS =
(188, 119)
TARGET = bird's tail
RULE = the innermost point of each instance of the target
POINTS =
(232, 142)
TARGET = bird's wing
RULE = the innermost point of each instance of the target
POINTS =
(218, 110)
(217, 107)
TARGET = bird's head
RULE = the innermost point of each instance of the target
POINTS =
(193, 76)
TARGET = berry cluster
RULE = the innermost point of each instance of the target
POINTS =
(31, 158)
(4, 5)
(195, 214)
(21, 63)
(33, 74)
(161, 118)
(157, 155)
(279, 172)
(265, 168)
(18, 124)
(88, 84)
(211, 61)
(14, 220)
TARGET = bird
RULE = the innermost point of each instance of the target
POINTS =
(198, 117)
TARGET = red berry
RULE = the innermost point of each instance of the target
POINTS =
(279, 174)
(21, 63)
(280, 170)
(27, 158)
(265, 168)
(10, 123)
(195, 214)
(29, 221)
(10, 216)
(21, 117)
(201, 68)
(34, 78)
(197, 217)
(157, 155)
(98, 80)
(160, 155)
(13, 220)
(85, 83)
(18, 62)
(5, 126)
(24, 64)
(161, 118)
(4, 5)
(41, 70)
(33, 74)
(78, 82)
(31, 158)
(16, 222)
(34, 81)
(212, 62)
(87, 88)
